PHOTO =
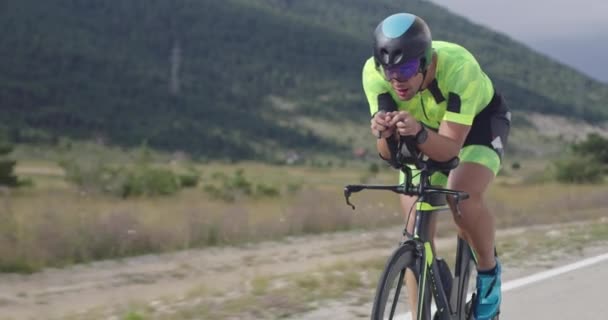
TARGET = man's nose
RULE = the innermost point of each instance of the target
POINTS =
(397, 82)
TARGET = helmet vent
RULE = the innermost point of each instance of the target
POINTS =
(385, 56)
(397, 57)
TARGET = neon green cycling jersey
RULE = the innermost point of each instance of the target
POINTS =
(460, 90)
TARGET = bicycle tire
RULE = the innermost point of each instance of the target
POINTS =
(404, 257)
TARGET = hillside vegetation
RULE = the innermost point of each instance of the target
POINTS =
(238, 79)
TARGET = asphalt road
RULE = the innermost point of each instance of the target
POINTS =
(577, 294)
(574, 291)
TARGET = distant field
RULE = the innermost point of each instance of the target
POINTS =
(55, 223)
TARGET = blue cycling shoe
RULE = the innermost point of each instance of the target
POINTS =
(488, 296)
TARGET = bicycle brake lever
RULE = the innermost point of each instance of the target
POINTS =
(347, 193)
(353, 188)
(456, 204)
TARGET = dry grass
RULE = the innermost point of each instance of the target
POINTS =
(524, 205)
(54, 224)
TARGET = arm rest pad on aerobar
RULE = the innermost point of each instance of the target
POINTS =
(386, 103)
(443, 166)
(408, 152)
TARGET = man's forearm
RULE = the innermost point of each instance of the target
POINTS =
(383, 148)
(439, 148)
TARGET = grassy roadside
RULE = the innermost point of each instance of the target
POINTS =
(268, 297)
(56, 224)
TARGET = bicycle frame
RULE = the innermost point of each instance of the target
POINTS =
(450, 305)
(455, 303)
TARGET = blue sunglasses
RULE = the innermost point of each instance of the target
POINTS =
(402, 72)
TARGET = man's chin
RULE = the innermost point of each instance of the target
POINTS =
(403, 94)
(404, 97)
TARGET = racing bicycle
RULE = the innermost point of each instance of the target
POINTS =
(434, 279)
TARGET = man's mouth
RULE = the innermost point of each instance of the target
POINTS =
(402, 92)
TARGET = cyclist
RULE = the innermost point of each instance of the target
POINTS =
(446, 102)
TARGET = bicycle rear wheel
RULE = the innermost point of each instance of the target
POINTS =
(391, 299)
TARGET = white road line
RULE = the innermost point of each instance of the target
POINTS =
(514, 284)
(553, 272)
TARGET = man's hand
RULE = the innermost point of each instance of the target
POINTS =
(405, 123)
(381, 125)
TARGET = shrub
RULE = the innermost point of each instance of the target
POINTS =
(7, 166)
(230, 187)
(594, 146)
(238, 182)
(87, 175)
(125, 182)
(262, 190)
(578, 170)
(150, 182)
(7, 178)
(189, 180)
(516, 166)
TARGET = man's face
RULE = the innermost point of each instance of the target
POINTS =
(406, 90)
(405, 78)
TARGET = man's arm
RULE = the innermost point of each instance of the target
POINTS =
(383, 149)
(439, 146)
(446, 144)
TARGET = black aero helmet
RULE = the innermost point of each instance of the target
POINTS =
(400, 38)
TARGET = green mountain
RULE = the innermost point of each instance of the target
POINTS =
(235, 78)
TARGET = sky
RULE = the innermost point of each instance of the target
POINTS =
(572, 32)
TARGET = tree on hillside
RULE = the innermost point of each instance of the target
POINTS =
(7, 166)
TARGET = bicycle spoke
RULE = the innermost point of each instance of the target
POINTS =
(397, 292)
(389, 302)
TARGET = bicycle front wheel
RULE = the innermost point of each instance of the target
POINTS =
(392, 300)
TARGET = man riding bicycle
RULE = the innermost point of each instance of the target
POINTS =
(450, 107)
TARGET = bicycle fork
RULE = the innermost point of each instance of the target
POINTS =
(435, 277)
(430, 278)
